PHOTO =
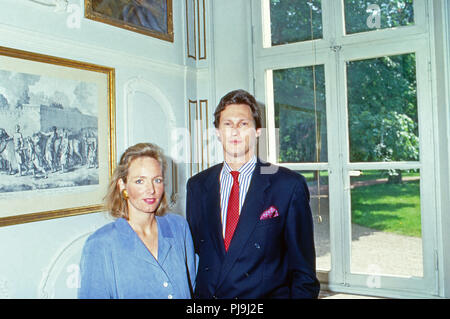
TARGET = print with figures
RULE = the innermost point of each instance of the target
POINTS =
(56, 139)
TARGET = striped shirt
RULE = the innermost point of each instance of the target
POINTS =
(226, 182)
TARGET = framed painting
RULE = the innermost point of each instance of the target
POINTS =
(57, 136)
(150, 17)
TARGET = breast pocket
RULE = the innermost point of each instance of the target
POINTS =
(269, 221)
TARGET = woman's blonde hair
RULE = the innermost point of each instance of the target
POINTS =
(115, 203)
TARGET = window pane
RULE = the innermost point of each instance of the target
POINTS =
(295, 20)
(382, 109)
(300, 115)
(368, 15)
(318, 189)
(386, 223)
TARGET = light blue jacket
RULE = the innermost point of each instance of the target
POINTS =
(115, 263)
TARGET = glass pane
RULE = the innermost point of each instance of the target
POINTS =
(368, 15)
(295, 20)
(382, 109)
(386, 223)
(300, 114)
(318, 189)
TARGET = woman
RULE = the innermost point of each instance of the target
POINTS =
(144, 253)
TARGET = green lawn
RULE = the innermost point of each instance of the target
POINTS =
(376, 174)
(388, 207)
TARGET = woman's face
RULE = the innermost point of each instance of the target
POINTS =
(145, 185)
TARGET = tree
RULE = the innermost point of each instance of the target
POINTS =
(300, 114)
(291, 20)
(392, 14)
(382, 102)
(382, 109)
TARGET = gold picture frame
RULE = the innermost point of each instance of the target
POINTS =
(149, 17)
(57, 136)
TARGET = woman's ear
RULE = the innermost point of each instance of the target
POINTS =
(121, 184)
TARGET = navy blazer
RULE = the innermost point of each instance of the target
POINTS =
(269, 258)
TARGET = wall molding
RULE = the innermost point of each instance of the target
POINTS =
(144, 86)
(200, 130)
(141, 85)
(191, 39)
(196, 29)
(58, 266)
(47, 44)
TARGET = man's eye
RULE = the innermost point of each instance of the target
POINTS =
(139, 181)
(159, 180)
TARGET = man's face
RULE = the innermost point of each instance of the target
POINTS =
(237, 132)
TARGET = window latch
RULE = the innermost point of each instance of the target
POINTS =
(336, 48)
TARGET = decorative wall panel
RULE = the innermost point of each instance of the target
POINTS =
(196, 29)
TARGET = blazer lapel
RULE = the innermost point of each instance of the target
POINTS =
(251, 210)
(211, 202)
(134, 243)
(165, 239)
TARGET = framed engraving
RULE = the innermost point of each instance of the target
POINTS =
(57, 136)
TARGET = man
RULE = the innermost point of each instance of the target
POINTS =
(19, 149)
(51, 148)
(251, 222)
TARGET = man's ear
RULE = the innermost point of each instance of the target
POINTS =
(218, 134)
(258, 132)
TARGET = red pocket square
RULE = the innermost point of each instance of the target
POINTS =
(269, 213)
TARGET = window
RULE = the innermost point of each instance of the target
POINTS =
(347, 96)
(300, 114)
(378, 14)
(295, 21)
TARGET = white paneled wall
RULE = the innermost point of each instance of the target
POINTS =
(39, 259)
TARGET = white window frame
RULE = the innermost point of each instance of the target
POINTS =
(333, 51)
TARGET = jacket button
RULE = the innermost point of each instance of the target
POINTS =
(246, 274)
(206, 268)
(214, 297)
(257, 246)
